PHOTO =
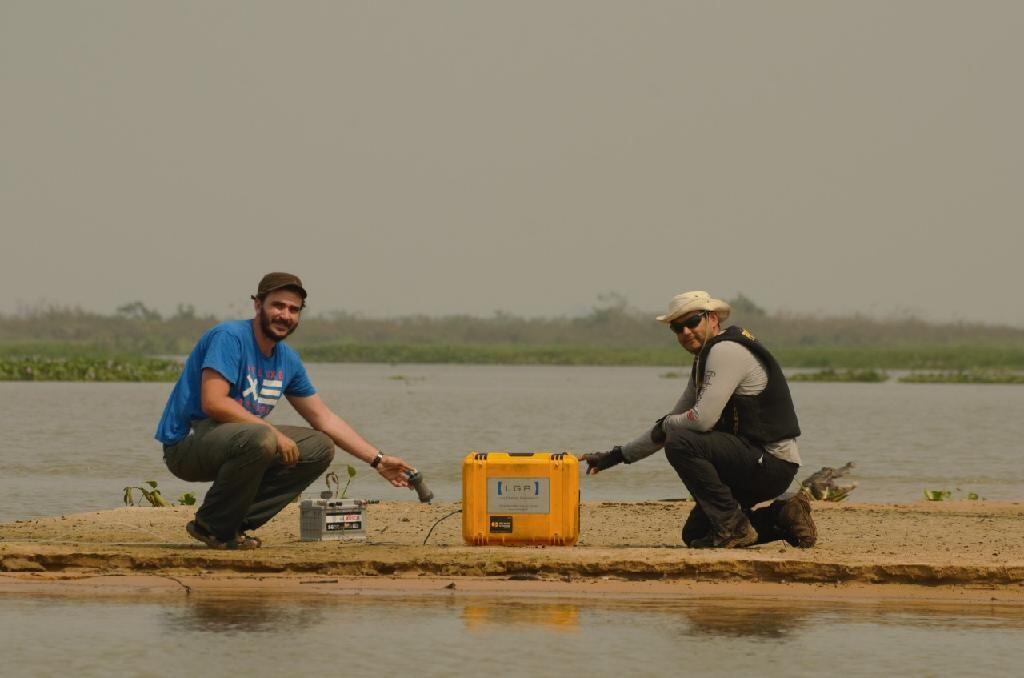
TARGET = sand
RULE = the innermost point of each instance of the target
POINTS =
(928, 550)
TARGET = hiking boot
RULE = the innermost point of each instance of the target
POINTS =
(794, 519)
(742, 535)
(705, 542)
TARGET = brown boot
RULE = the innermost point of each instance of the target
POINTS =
(794, 519)
(742, 535)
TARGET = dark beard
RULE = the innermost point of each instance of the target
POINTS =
(270, 333)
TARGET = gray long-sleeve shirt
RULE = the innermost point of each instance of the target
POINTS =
(731, 368)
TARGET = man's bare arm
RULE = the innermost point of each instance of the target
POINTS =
(320, 417)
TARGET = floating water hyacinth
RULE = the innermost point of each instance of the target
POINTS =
(963, 377)
(869, 376)
(945, 495)
(83, 368)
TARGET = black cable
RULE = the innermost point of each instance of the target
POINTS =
(437, 522)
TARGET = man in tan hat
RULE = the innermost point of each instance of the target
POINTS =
(731, 437)
(213, 426)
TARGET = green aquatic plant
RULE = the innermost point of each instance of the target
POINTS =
(87, 368)
(963, 377)
(332, 480)
(868, 376)
(152, 495)
(913, 356)
(406, 379)
(445, 344)
(946, 495)
(837, 494)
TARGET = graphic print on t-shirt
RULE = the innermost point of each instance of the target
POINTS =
(262, 390)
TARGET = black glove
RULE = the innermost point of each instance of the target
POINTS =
(599, 461)
(658, 435)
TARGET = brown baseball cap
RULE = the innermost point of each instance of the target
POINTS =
(277, 280)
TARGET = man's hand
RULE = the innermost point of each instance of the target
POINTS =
(394, 471)
(599, 461)
(287, 449)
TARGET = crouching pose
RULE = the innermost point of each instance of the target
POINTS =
(731, 436)
(213, 426)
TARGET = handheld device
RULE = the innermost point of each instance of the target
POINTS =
(422, 491)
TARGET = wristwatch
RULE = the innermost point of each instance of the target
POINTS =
(376, 460)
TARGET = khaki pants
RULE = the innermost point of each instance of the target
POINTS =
(250, 485)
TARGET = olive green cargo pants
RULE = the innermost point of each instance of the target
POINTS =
(250, 485)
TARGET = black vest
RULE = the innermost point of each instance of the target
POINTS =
(764, 418)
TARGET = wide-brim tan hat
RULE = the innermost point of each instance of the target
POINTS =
(688, 302)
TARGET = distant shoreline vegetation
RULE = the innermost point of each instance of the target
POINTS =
(868, 376)
(973, 376)
(843, 348)
(80, 368)
(963, 377)
(839, 363)
(77, 363)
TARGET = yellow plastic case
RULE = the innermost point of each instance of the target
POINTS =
(520, 498)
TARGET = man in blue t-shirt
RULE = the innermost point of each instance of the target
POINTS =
(213, 426)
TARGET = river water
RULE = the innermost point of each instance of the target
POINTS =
(73, 447)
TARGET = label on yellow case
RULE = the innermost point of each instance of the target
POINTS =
(518, 495)
(501, 524)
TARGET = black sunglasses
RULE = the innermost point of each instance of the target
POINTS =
(690, 323)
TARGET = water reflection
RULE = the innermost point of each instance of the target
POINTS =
(755, 618)
(443, 635)
(480, 614)
(689, 617)
(236, 614)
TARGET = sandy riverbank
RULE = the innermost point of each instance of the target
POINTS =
(955, 550)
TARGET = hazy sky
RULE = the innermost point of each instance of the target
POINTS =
(443, 157)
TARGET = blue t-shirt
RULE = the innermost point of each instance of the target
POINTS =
(257, 382)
